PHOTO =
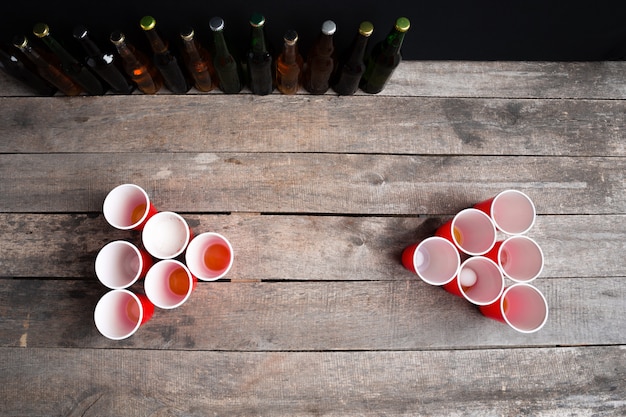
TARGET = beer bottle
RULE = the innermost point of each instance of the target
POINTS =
(320, 64)
(49, 71)
(70, 65)
(352, 67)
(102, 63)
(19, 67)
(289, 65)
(164, 60)
(384, 59)
(259, 60)
(224, 63)
(198, 61)
(137, 66)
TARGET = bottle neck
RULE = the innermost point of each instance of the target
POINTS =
(55, 47)
(393, 43)
(258, 45)
(358, 49)
(90, 47)
(221, 48)
(290, 52)
(325, 45)
(156, 43)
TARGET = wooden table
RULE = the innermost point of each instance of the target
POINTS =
(319, 195)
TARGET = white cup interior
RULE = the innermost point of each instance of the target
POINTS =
(513, 212)
(118, 264)
(473, 232)
(163, 284)
(524, 308)
(201, 247)
(489, 282)
(165, 235)
(520, 258)
(118, 314)
(120, 204)
(436, 260)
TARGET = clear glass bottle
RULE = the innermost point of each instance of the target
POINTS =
(259, 59)
(70, 65)
(15, 64)
(48, 70)
(321, 63)
(384, 59)
(289, 65)
(198, 61)
(164, 60)
(352, 67)
(224, 63)
(138, 67)
(102, 63)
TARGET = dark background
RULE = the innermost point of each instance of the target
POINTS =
(440, 30)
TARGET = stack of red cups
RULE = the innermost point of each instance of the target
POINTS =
(473, 254)
(168, 282)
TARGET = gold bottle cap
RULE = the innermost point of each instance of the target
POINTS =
(187, 34)
(290, 37)
(41, 30)
(147, 23)
(366, 28)
(20, 41)
(402, 24)
(117, 38)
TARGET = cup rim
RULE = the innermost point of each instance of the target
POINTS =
(534, 242)
(150, 277)
(113, 293)
(152, 221)
(191, 248)
(451, 245)
(482, 214)
(140, 221)
(478, 259)
(532, 287)
(514, 191)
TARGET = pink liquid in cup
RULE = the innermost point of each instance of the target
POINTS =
(522, 306)
(435, 260)
(512, 211)
(471, 230)
(519, 257)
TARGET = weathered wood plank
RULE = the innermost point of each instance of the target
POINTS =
(312, 316)
(312, 248)
(310, 183)
(396, 125)
(548, 382)
(479, 79)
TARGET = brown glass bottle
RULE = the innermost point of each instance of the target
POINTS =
(321, 62)
(137, 65)
(289, 65)
(352, 67)
(14, 63)
(164, 60)
(198, 61)
(70, 65)
(48, 70)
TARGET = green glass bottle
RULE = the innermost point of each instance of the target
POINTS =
(48, 70)
(289, 65)
(321, 63)
(198, 61)
(224, 63)
(352, 67)
(258, 59)
(164, 60)
(102, 63)
(384, 59)
(70, 65)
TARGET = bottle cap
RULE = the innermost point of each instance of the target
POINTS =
(117, 37)
(329, 27)
(20, 41)
(41, 30)
(366, 28)
(402, 24)
(80, 32)
(257, 20)
(147, 23)
(291, 37)
(216, 24)
(187, 33)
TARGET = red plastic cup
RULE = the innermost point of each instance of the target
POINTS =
(479, 281)
(119, 264)
(120, 313)
(519, 257)
(166, 235)
(512, 211)
(471, 230)
(128, 206)
(435, 260)
(522, 306)
(209, 256)
(169, 284)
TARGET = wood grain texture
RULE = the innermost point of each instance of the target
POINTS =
(312, 316)
(311, 183)
(306, 248)
(246, 123)
(547, 382)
